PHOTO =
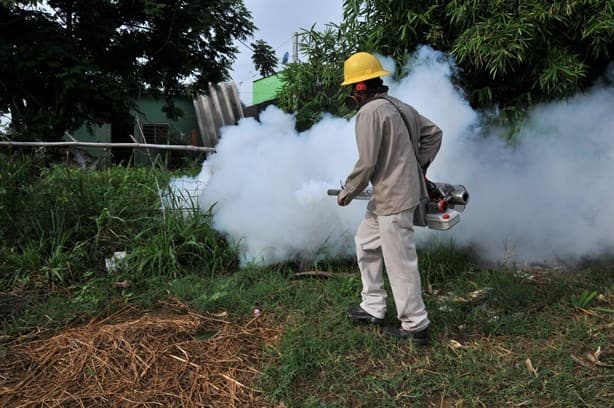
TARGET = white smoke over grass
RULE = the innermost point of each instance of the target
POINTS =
(269, 187)
(185, 191)
(546, 199)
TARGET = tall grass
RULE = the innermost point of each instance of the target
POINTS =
(181, 241)
(58, 224)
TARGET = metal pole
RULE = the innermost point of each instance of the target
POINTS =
(107, 145)
(295, 48)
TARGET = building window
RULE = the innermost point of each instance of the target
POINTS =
(155, 133)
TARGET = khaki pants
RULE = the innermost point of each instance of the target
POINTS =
(388, 241)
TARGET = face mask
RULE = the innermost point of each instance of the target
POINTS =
(356, 99)
(352, 102)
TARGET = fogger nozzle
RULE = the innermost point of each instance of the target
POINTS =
(459, 195)
(453, 194)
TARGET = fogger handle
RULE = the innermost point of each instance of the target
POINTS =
(365, 195)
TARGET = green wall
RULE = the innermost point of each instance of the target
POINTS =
(265, 89)
(97, 134)
(181, 129)
(149, 112)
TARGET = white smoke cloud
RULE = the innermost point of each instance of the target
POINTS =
(269, 187)
(546, 199)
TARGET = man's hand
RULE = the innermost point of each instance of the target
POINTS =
(342, 202)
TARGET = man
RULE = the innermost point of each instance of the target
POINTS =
(396, 145)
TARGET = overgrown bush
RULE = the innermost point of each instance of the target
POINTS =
(58, 224)
(510, 54)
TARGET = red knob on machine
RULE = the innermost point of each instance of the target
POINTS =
(442, 205)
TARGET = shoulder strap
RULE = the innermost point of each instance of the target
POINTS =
(414, 145)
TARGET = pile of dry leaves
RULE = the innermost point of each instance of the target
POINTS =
(174, 358)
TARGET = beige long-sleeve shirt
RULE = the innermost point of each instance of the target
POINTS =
(386, 156)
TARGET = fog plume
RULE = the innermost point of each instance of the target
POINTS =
(545, 199)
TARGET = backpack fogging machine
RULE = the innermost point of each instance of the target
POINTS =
(439, 211)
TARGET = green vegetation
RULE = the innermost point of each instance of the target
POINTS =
(510, 54)
(58, 225)
(312, 87)
(500, 336)
(69, 63)
(264, 58)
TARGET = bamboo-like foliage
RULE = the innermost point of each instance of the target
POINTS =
(510, 53)
(312, 87)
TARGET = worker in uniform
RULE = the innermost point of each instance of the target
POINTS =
(395, 144)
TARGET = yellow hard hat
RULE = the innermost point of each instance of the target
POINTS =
(360, 67)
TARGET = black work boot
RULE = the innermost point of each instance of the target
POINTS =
(357, 313)
(420, 337)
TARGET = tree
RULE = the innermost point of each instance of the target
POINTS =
(264, 58)
(311, 88)
(69, 62)
(510, 53)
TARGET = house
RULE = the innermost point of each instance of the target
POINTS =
(203, 117)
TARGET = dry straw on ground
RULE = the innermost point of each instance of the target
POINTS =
(173, 359)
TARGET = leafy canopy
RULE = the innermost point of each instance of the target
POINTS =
(510, 53)
(67, 62)
(312, 87)
(264, 58)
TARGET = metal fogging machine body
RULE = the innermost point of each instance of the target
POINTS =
(444, 205)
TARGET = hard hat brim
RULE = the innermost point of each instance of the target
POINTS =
(365, 77)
